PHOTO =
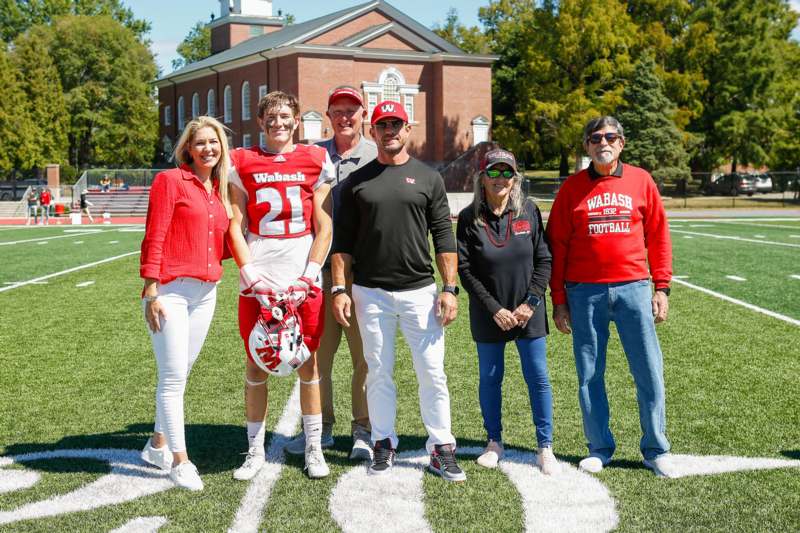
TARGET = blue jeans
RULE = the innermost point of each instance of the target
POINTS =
(491, 365)
(592, 306)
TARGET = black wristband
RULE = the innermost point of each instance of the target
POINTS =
(452, 289)
(665, 290)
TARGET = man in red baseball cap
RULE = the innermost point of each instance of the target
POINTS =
(381, 236)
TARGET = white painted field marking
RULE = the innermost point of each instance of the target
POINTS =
(11, 480)
(760, 236)
(679, 277)
(680, 465)
(143, 524)
(701, 225)
(132, 230)
(740, 223)
(732, 238)
(251, 509)
(688, 237)
(128, 480)
(43, 242)
(113, 242)
(32, 283)
(74, 269)
(795, 276)
(9, 243)
(727, 298)
(84, 231)
(84, 284)
(736, 278)
(78, 242)
(795, 236)
(544, 498)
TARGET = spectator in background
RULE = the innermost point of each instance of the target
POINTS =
(45, 199)
(504, 264)
(181, 262)
(33, 208)
(105, 183)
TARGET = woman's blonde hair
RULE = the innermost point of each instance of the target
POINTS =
(515, 199)
(221, 169)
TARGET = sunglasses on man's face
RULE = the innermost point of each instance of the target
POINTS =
(610, 137)
(391, 125)
(505, 174)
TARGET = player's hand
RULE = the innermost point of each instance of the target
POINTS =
(341, 308)
(446, 307)
(153, 313)
(561, 318)
(298, 290)
(505, 319)
(660, 306)
(254, 285)
(523, 314)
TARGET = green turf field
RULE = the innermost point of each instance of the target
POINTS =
(78, 373)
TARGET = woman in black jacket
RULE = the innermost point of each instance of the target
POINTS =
(504, 264)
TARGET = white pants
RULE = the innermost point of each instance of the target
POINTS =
(189, 306)
(379, 313)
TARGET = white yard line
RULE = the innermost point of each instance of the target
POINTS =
(733, 238)
(55, 237)
(248, 517)
(736, 278)
(737, 222)
(69, 270)
(84, 284)
(752, 307)
(795, 276)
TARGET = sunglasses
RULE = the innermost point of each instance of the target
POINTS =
(389, 124)
(505, 174)
(610, 138)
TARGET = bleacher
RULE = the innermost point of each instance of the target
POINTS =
(131, 202)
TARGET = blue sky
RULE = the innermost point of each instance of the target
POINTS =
(172, 19)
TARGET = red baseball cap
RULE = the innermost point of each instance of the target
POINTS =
(345, 92)
(388, 109)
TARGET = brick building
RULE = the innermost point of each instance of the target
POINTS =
(372, 46)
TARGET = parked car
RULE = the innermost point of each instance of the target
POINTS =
(763, 183)
(733, 184)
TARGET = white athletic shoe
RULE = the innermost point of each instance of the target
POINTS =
(185, 476)
(660, 465)
(547, 461)
(297, 446)
(252, 464)
(362, 451)
(158, 457)
(315, 462)
(491, 455)
(591, 464)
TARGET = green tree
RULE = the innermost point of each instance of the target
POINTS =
(653, 141)
(194, 47)
(17, 16)
(46, 106)
(106, 76)
(15, 125)
(471, 40)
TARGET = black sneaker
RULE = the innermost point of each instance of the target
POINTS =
(443, 463)
(382, 457)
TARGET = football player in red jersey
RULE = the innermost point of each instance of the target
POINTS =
(280, 235)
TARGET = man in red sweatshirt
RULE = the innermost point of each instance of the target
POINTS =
(609, 235)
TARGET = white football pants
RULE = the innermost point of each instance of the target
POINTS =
(189, 306)
(379, 313)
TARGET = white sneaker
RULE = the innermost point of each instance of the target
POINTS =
(362, 451)
(315, 462)
(591, 464)
(547, 461)
(158, 457)
(297, 446)
(185, 476)
(660, 465)
(491, 455)
(252, 464)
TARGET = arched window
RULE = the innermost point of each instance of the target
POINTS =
(391, 89)
(195, 105)
(246, 100)
(181, 113)
(227, 97)
(211, 103)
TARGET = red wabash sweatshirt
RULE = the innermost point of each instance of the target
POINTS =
(607, 230)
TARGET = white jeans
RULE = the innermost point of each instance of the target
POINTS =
(189, 306)
(379, 313)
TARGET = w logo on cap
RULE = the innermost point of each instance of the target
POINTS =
(387, 108)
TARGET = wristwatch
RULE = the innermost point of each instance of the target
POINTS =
(338, 289)
(452, 289)
(533, 301)
(665, 290)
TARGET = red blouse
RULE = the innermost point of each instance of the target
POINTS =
(185, 230)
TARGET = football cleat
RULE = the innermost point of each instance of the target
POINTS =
(252, 464)
(315, 462)
(276, 341)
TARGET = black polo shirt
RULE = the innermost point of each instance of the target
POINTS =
(499, 265)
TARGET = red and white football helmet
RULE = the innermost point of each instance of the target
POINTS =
(276, 342)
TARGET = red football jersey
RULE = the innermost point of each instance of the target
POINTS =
(280, 187)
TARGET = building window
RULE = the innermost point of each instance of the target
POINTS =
(312, 126)
(166, 146)
(211, 103)
(246, 140)
(246, 100)
(181, 113)
(262, 91)
(391, 91)
(195, 105)
(480, 130)
(255, 31)
(391, 85)
(227, 103)
(229, 135)
(408, 105)
(262, 139)
(372, 101)
(167, 115)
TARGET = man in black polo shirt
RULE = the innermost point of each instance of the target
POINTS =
(387, 209)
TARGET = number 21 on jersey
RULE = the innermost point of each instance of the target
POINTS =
(272, 223)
